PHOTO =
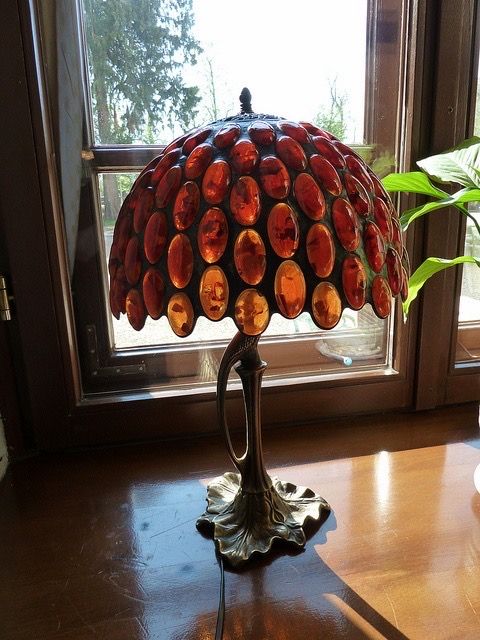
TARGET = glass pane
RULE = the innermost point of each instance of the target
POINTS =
(159, 68)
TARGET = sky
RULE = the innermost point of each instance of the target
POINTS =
(285, 53)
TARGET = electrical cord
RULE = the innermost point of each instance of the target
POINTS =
(221, 601)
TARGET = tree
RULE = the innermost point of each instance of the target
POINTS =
(137, 50)
(332, 118)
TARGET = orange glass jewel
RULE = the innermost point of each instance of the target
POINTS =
(133, 261)
(153, 292)
(354, 281)
(195, 139)
(381, 297)
(291, 153)
(283, 231)
(198, 161)
(326, 174)
(309, 196)
(394, 271)
(180, 260)
(155, 237)
(382, 218)
(143, 210)
(295, 131)
(227, 136)
(168, 187)
(290, 289)
(180, 314)
(213, 293)
(357, 195)
(250, 256)
(326, 149)
(216, 182)
(186, 205)
(358, 169)
(212, 235)
(345, 221)
(320, 250)
(166, 162)
(244, 156)
(374, 246)
(274, 177)
(135, 309)
(261, 133)
(326, 305)
(245, 200)
(251, 312)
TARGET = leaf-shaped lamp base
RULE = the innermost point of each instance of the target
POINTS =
(246, 523)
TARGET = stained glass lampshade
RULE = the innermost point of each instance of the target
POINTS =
(242, 218)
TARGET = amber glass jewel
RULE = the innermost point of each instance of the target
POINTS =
(267, 208)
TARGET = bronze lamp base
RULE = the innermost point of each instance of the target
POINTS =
(249, 510)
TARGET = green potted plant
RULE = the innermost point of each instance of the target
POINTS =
(460, 165)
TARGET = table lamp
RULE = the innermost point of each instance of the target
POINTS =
(242, 218)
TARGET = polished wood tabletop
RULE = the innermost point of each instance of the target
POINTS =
(102, 544)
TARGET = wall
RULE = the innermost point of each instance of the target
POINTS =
(3, 451)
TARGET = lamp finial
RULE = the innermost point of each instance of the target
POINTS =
(246, 101)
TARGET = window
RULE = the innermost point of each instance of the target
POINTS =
(156, 69)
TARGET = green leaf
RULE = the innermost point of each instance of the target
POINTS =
(427, 269)
(458, 165)
(462, 196)
(412, 182)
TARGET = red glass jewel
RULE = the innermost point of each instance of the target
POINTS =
(245, 200)
(326, 305)
(177, 143)
(328, 151)
(180, 314)
(291, 153)
(344, 150)
(153, 292)
(133, 260)
(295, 131)
(143, 210)
(244, 156)
(149, 168)
(354, 281)
(274, 177)
(261, 133)
(405, 259)
(135, 309)
(381, 297)
(212, 235)
(326, 174)
(121, 234)
(198, 161)
(309, 196)
(320, 250)
(283, 231)
(250, 256)
(251, 312)
(227, 136)
(313, 129)
(378, 188)
(186, 205)
(397, 241)
(290, 289)
(213, 293)
(168, 187)
(167, 161)
(374, 246)
(195, 139)
(382, 219)
(358, 169)
(118, 292)
(404, 287)
(180, 260)
(357, 195)
(216, 182)
(155, 237)
(394, 271)
(346, 224)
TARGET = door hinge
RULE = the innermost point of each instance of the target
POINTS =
(5, 300)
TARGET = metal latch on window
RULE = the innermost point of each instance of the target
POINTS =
(5, 300)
